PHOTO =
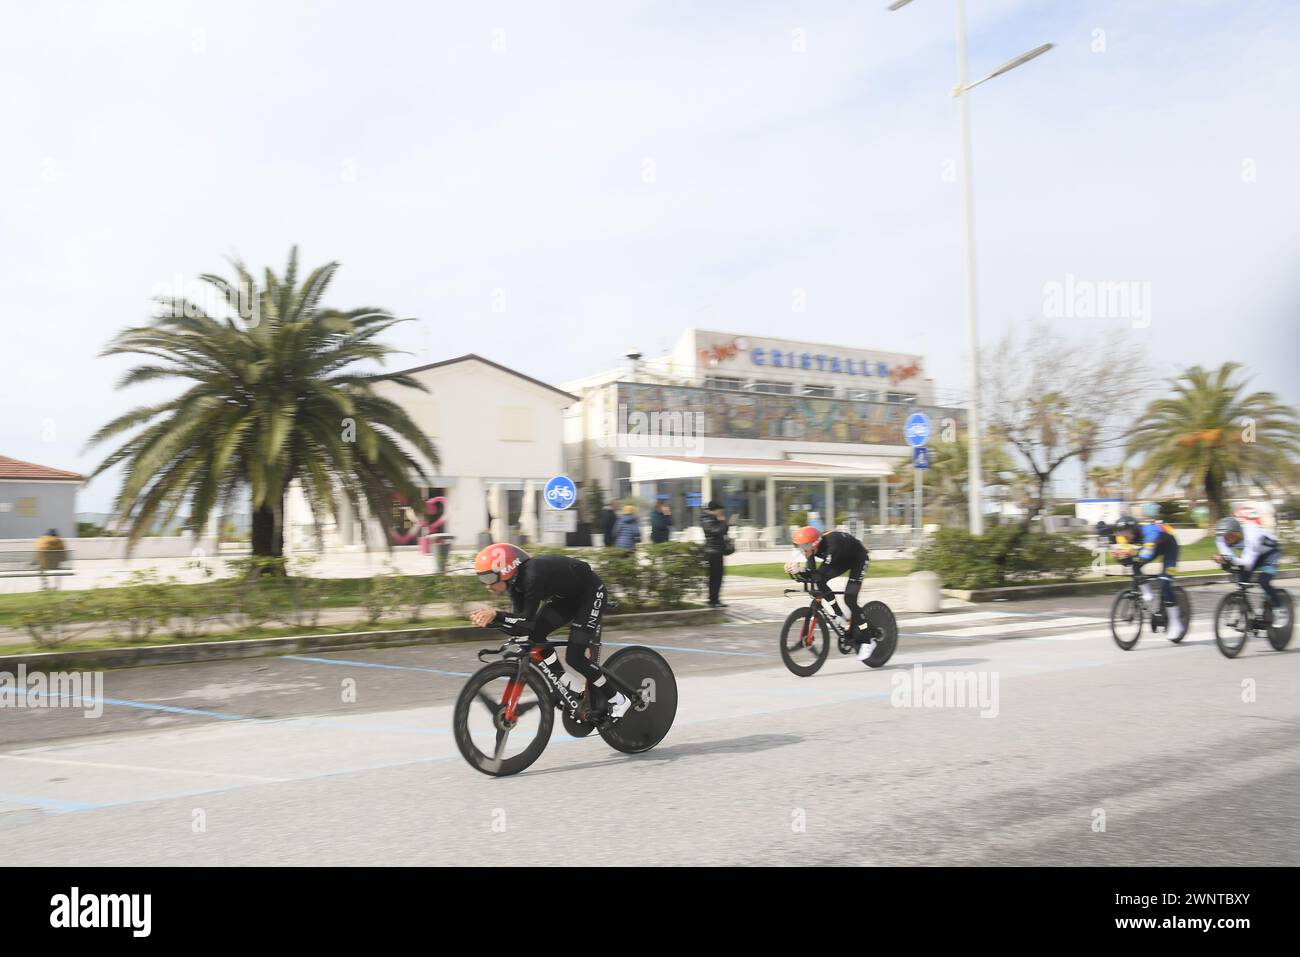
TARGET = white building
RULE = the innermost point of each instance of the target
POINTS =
(774, 429)
(499, 437)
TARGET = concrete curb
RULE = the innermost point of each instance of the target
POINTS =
(188, 653)
(1109, 584)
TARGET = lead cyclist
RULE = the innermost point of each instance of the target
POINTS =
(548, 592)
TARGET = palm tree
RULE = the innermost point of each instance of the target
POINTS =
(1208, 434)
(944, 484)
(272, 399)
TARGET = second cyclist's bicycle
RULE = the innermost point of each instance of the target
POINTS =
(805, 636)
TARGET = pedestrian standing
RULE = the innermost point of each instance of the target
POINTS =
(661, 523)
(715, 547)
(627, 531)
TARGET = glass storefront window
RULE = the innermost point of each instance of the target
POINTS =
(796, 501)
(744, 500)
(857, 501)
(682, 495)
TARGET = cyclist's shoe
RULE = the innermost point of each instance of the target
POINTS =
(611, 710)
(1175, 624)
(1158, 620)
(1281, 618)
(866, 649)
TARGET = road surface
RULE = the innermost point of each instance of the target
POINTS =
(1078, 753)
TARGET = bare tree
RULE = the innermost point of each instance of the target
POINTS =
(1051, 398)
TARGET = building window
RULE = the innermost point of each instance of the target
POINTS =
(819, 391)
(899, 397)
(772, 388)
(723, 382)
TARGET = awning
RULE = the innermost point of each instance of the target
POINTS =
(653, 468)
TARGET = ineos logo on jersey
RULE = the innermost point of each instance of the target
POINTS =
(73, 910)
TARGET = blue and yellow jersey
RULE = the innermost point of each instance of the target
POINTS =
(1157, 540)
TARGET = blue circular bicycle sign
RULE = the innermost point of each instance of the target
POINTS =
(917, 429)
(560, 492)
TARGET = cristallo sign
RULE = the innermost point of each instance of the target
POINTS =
(798, 359)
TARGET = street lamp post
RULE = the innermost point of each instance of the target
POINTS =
(975, 501)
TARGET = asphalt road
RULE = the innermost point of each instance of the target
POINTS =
(1078, 753)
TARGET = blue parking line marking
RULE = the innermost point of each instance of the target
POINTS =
(698, 651)
(375, 664)
(52, 804)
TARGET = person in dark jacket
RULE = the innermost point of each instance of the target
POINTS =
(627, 530)
(607, 520)
(661, 523)
(715, 535)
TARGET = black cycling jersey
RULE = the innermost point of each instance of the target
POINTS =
(547, 591)
(840, 552)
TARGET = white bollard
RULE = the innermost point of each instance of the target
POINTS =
(923, 593)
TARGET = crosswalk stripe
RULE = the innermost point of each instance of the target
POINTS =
(1012, 627)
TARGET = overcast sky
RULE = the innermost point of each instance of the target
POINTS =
(614, 172)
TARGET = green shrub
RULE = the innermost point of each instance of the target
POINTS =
(1001, 556)
(136, 610)
(56, 616)
(460, 592)
(653, 576)
(384, 597)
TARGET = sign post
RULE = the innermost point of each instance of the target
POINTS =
(916, 431)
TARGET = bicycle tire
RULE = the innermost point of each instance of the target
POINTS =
(469, 695)
(1230, 645)
(799, 621)
(649, 722)
(1279, 638)
(1126, 607)
(880, 618)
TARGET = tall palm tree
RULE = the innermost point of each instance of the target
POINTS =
(1208, 434)
(272, 398)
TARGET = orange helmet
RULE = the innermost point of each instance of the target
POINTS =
(499, 562)
(808, 535)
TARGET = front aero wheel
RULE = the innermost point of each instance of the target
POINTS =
(880, 625)
(1231, 624)
(487, 739)
(648, 720)
(805, 642)
(1126, 619)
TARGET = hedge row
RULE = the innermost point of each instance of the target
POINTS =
(268, 592)
(1002, 556)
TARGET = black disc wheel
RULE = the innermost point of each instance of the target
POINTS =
(654, 702)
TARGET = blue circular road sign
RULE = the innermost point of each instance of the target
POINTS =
(917, 429)
(560, 492)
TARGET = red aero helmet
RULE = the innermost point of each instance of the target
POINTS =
(807, 535)
(499, 562)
